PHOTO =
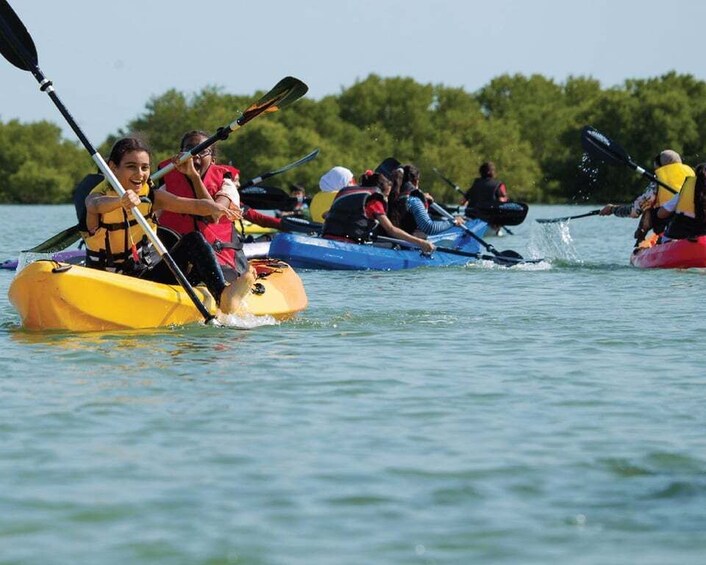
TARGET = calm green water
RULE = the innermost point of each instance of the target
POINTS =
(455, 415)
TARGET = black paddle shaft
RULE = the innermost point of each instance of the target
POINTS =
(566, 218)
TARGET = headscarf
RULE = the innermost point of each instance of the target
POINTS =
(336, 179)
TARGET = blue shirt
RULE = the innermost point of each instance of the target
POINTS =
(424, 222)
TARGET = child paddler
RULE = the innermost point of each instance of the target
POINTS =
(202, 177)
(116, 242)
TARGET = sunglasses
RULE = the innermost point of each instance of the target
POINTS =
(203, 154)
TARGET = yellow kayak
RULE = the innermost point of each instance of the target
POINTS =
(254, 229)
(58, 296)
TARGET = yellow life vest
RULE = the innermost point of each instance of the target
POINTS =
(320, 204)
(686, 205)
(673, 175)
(110, 247)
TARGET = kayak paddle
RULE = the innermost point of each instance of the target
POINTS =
(57, 242)
(286, 91)
(270, 197)
(600, 146)
(566, 218)
(506, 257)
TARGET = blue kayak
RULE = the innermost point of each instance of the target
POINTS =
(313, 252)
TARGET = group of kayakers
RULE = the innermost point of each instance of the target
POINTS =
(672, 207)
(196, 205)
(392, 204)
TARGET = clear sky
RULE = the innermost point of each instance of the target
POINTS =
(108, 58)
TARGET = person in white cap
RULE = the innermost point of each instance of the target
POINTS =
(670, 170)
(336, 179)
(330, 183)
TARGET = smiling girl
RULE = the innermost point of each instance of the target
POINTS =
(116, 242)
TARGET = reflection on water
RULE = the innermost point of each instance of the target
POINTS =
(130, 350)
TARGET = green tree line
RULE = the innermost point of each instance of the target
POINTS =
(528, 125)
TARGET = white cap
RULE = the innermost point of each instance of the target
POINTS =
(336, 179)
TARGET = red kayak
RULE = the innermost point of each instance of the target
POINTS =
(674, 254)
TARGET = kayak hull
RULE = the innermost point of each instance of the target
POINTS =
(674, 254)
(312, 252)
(57, 296)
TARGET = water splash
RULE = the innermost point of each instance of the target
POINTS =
(245, 321)
(554, 241)
(490, 264)
(25, 258)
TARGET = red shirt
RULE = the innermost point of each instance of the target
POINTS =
(374, 208)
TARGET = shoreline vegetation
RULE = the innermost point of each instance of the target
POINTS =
(528, 125)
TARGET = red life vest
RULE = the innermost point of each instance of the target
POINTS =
(217, 234)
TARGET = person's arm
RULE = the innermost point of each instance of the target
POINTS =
(189, 171)
(98, 203)
(668, 208)
(201, 192)
(619, 210)
(423, 220)
(164, 200)
(645, 201)
(502, 193)
(393, 231)
(255, 217)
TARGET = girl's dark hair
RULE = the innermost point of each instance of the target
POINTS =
(411, 174)
(369, 178)
(125, 145)
(700, 192)
(195, 133)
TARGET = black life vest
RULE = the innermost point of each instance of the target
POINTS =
(82, 190)
(346, 217)
(483, 193)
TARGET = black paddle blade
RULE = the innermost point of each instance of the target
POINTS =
(300, 225)
(264, 176)
(387, 167)
(600, 146)
(266, 197)
(310, 157)
(286, 91)
(16, 44)
(507, 258)
(57, 242)
(504, 214)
